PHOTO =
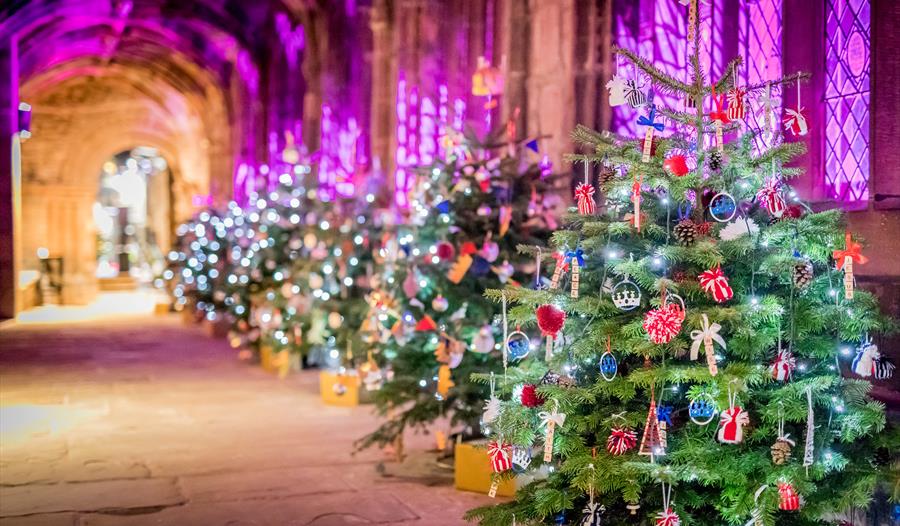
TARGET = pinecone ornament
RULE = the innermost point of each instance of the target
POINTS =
(802, 273)
(781, 451)
(685, 232)
(715, 160)
(607, 173)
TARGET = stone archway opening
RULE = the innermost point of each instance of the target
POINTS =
(133, 217)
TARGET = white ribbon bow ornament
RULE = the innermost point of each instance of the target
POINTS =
(708, 333)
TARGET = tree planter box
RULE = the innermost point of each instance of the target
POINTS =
(274, 362)
(161, 309)
(348, 395)
(472, 471)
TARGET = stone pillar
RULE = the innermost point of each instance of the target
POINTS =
(384, 71)
(9, 186)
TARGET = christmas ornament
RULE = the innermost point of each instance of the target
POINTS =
(504, 271)
(575, 260)
(463, 262)
(518, 345)
(491, 405)
(685, 232)
(770, 198)
(756, 516)
(636, 201)
(788, 499)
(664, 323)
(338, 387)
(626, 295)
(715, 283)
(736, 106)
(559, 380)
(664, 416)
(884, 369)
(521, 458)
(648, 121)
(445, 381)
(719, 117)
(781, 449)
(676, 165)
(738, 228)
(722, 207)
(609, 367)
(607, 174)
(550, 421)
(867, 356)
(505, 218)
(592, 513)
(732, 421)
(500, 455)
(426, 324)
(449, 351)
(707, 334)
(795, 122)
(651, 443)
(561, 266)
(767, 101)
(802, 273)
(633, 95)
(483, 342)
(550, 320)
(703, 409)
(584, 195)
(445, 251)
(621, 439)
(530, 396)
(783, 366)
(667, 517)
(490, 250)
(440, 303)
(483, 210)
(487, 81)
(371, 375)
(616, 87)
(714, 160)
(845, 259)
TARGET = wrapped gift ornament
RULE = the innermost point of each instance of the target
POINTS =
(584, 195)
(736, 105)
(795, 122)
(783, 367)
(501, 456)
(788, 498)
(715, 284)
(732, 421)
(771, 198)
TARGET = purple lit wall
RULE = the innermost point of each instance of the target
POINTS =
(846, 149)
(341, 157)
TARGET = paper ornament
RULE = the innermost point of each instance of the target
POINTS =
(845, 259)
(626, 295)
(500, 455)
(788, 498)
(487, 81)
(736, 107)
(584, 194)
(795, 122)
(738, 228)
(703, 409)
(445, 381)
(616, 87)
(715, 284)
(492, 405)
(884, 369)
(651, 443)
(867, 356)
(621, 439)
(505, 218)
(609, 367)
(550, 320)
(462, 264)
(575, 261)
(518, 345)
(707, 334)
(633, 95)
(550, 421)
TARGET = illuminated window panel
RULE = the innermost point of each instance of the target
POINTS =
(760, 45)
(847, 38)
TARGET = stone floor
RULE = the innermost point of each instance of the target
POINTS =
(147, 421)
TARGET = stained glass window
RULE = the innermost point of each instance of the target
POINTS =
(760, 45)
(847, 38)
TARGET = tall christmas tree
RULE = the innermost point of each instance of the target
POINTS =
(468, 213)
(703, 371)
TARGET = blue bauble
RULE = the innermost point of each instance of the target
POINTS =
(480, 267)
(518, 348)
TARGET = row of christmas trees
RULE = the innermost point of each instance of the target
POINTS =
(664, 350)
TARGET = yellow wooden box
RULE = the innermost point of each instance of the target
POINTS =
(472, 471)
(350, 383)
(161, 309)
(274, 362)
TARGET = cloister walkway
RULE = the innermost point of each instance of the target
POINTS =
(144, 420)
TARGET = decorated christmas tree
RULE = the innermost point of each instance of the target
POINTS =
(429, 321)
(697, 360)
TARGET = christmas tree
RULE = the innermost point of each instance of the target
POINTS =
(703, 371)
(430, 322)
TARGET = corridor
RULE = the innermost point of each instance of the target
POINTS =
(144, 420)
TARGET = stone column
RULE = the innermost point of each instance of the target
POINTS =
(384, 71)
(9, 186)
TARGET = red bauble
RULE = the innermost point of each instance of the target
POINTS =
(445, 251)
(664, 323)
(550, 319)
(530, 396)
(676, 165)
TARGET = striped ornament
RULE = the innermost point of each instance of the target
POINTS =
(584, 195)
(715, 283)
